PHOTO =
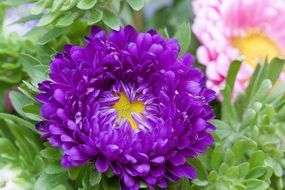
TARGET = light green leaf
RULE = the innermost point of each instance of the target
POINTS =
(94, 16)
(262, 91)
(48, 18)
(257, 172)
(50, 35)
(47, 182)
(68, 5)
(198, 165)
(86, 4)
(19, 121)
(257, 159)
(256, 184)
(59, 187)
(111, 20)
(238, 150)
(136, 4)
(222, 128)
(18, 100)
(275, 68)
(217, 157)
(7, 147)
(54, 169)
(56, 5)
(67, 20)
(183, 35)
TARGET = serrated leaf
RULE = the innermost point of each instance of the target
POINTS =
(48, 18)
(86, 4)
(94, 16)
(67, 20)
(136, 4)
(111, 20)
(183, 35)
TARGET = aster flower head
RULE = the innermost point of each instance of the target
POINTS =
(126, 103)
(250, 30)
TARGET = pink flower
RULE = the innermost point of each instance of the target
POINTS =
(250, 30)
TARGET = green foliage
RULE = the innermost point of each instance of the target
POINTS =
(249, 148)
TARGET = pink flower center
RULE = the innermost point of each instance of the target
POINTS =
(255, 46)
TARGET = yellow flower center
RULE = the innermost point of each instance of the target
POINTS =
(256, 46)
(124, 108)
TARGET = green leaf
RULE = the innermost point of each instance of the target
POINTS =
(67, 20)
(257, 172)
(94, 16)
(256, 184)
(54, 169)
(47, 182)
(183, 35)
(86, 4)
(229, 113)
(18, 100)
(28, 18)
(7, 147)
(74, 172)
(198, 165)
(222, 128)
(257, 159)
(95, 178)
(56, 5)
(51, 153)
(48, 18)
(19, 121)
(50, 35)
(59, 187)
(243, 169)
(217, 157)
(136, 4)
(232, 73)
(238, 150)
(111, 20)
(275, 68)
(262, 91)
(68, 5)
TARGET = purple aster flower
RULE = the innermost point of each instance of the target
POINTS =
(126, 103)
